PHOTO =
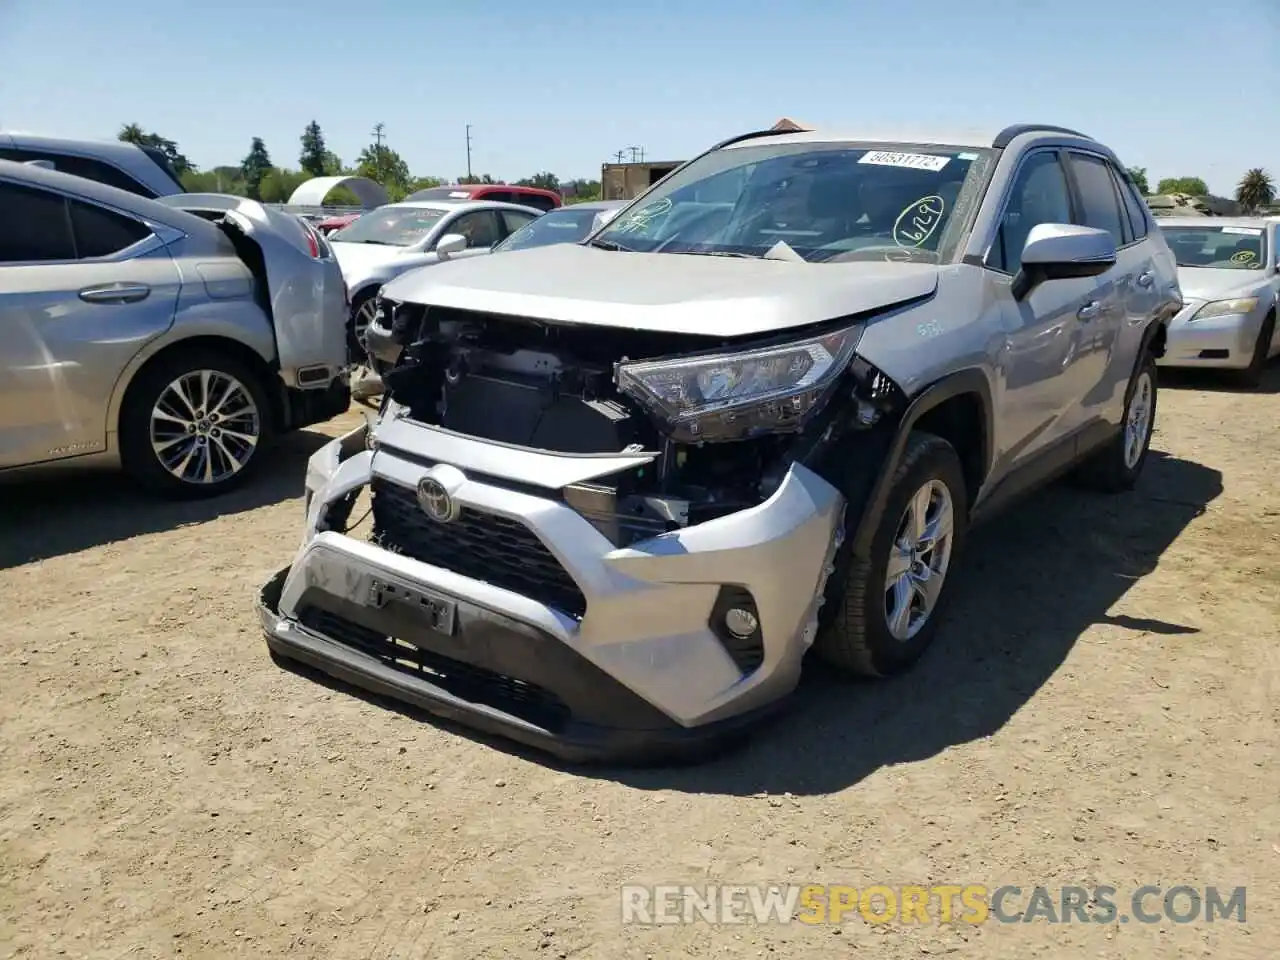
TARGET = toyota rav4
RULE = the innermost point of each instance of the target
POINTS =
(619, 489)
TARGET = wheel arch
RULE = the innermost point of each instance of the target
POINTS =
(957, 408)
(233, 346)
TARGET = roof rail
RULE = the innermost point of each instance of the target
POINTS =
(749, 136)
(1007, 135)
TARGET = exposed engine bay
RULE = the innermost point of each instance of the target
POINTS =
(555, 387)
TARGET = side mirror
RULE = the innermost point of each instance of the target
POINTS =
(450, 244)
(1063, 251)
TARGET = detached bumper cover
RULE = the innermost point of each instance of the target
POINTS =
(488, 701)
(635, 670)
(1233, 334)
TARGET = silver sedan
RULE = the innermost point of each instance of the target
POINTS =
(171, 341)
(1229, 272)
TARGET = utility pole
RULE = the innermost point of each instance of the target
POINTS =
(378, 137)
(635, 153)
(620, 155)
(468, 152)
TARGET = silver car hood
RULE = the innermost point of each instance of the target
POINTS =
(1202, 283)
(675, 293)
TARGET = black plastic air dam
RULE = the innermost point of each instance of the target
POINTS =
(573, 741)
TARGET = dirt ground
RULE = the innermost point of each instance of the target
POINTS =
(1102, 707)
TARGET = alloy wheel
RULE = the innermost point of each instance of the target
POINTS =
(205, 427)
(1137, 423)
(918, 560)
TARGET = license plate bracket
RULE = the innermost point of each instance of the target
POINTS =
(441, 612)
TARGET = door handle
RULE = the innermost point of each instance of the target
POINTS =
(1146, 279)
(1089, 310)
(116, 293)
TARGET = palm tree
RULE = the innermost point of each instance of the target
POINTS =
(1256, 189)
(131, 133)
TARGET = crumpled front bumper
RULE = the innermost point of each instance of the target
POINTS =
(1225, 342)
(640, 671)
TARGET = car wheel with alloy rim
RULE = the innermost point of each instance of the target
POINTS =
(882, 611)
(193, 424)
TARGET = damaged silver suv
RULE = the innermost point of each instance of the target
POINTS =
(618, 489)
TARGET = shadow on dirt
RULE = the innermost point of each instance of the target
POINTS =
(1219, 381)
(1033, 581)
(52, 514)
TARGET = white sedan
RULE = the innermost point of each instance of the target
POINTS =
(398, 237)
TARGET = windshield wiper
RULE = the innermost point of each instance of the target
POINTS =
(607, 245)
(737, 255)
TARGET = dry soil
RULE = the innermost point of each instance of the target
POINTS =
(1101, 708)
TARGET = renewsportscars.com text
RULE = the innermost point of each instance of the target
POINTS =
(943, 903)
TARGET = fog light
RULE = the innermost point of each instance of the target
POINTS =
(741, 623)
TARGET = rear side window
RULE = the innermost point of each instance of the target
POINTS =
(100, 233)
(513, 220)
(535, 200)
(1132, 204)
(46, 232)
(1099, 205)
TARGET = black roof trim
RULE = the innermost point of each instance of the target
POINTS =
(750, 136)
(1007, 135)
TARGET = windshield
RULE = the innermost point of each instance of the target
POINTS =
(1218, 248)
(825, 202)
(391, 226)
(565, 225)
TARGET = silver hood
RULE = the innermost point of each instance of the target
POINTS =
(675, 293)
(1202, 283)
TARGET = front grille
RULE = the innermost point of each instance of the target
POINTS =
(482, 546)
(530, 703)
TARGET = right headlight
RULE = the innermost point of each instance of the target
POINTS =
(1226, 308)
(729, 396)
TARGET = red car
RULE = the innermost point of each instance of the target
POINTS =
(332, 224)
(501, 192)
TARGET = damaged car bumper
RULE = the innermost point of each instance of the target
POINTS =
(1221, 342)
(490, 593)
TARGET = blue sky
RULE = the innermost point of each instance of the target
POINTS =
(1179, 87)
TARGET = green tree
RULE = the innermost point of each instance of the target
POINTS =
(379, 162)
(133, 133)
(255, 165)
(424, 183)
(1139, 177)
(1256, 189)
(277, 185)
(1192, 186)
(332, 164)
(544, 181)
(314, 158)
(473, 179)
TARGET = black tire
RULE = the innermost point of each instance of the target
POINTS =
(1251, 376)
(854, 636)
(143, 464)
(355, 350)
(1107, 470)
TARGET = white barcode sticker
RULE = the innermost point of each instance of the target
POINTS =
(917, 161)
(1243, 231)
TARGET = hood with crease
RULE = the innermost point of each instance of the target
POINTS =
(676, 293)
(1204, 283)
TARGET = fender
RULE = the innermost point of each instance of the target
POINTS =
(259, 339)
(970, 380)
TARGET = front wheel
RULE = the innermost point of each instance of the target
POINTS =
(1251, 375)
(885, 609)
(194, 425)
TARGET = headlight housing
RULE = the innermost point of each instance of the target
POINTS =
(1226, 308)
(735, 395)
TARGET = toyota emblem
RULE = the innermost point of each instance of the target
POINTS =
(435, 500)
